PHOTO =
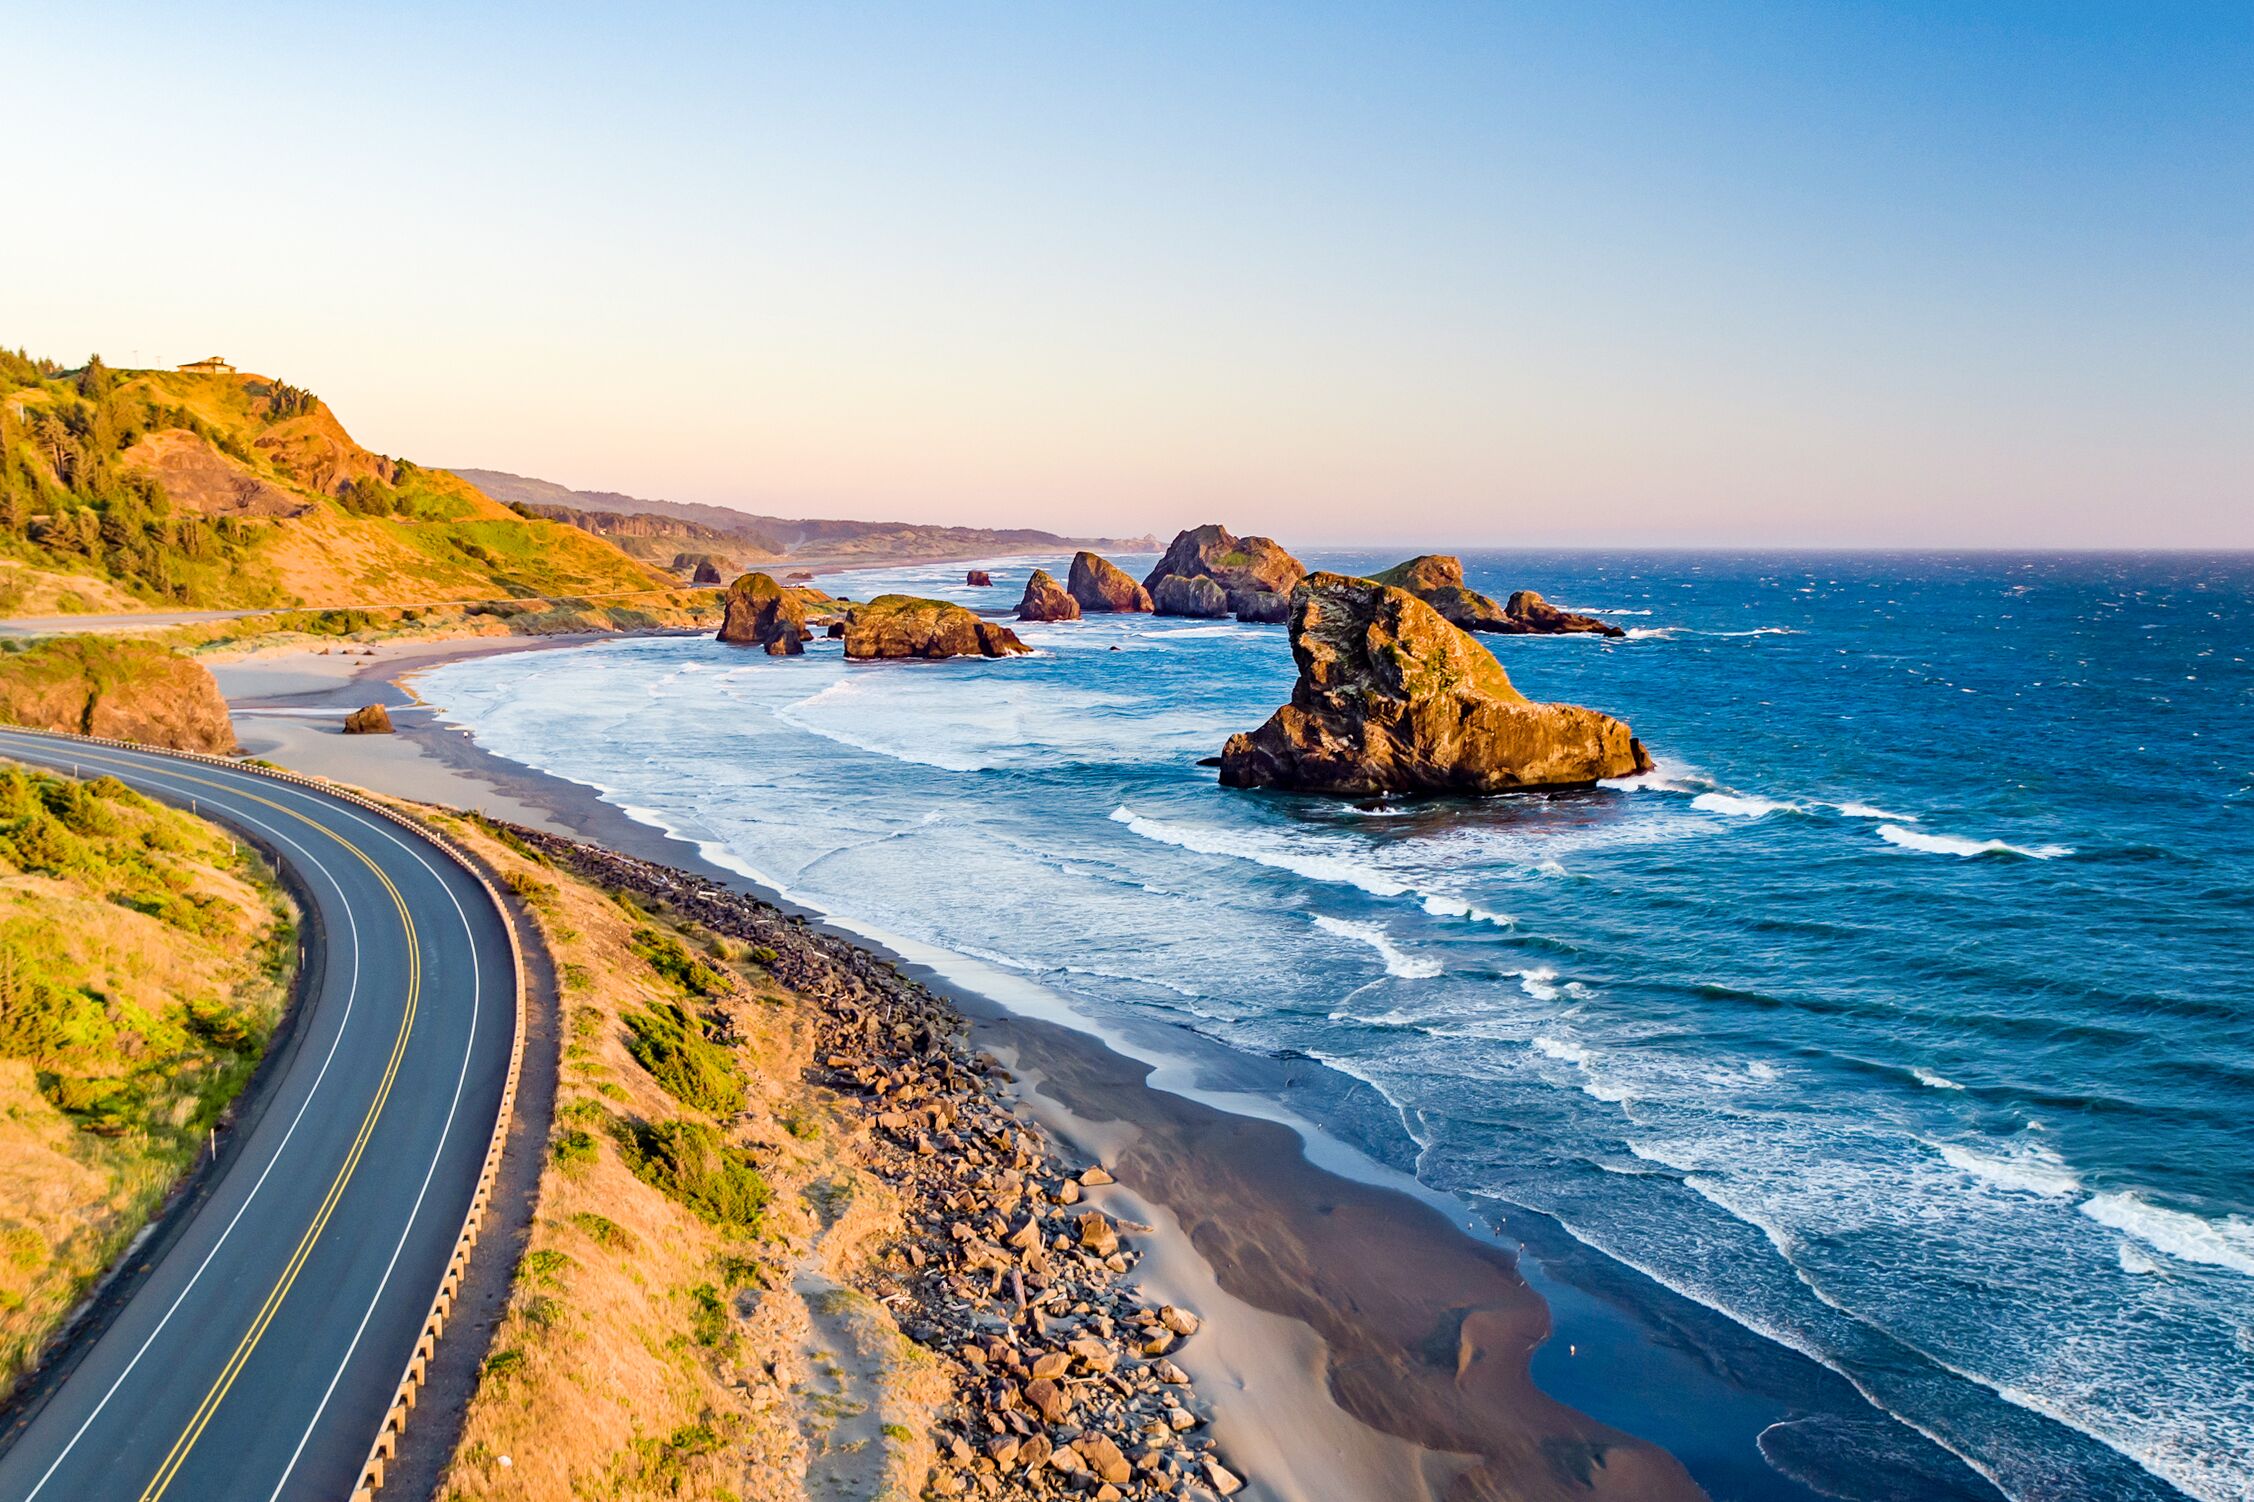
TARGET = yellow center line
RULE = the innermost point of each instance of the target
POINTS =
(181, 1447)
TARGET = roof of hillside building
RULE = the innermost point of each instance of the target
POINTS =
(211, 364)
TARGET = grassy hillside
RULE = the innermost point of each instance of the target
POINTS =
(143, 964)
(169, 489)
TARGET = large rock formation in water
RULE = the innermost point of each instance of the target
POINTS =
(1184, 594)
(761, 613)
(1046, 600)
(1438, 580)
(906, 626)
(119, 690)
(1254, 574)
(1393, 698)
(1103, 587)
(1529, 614)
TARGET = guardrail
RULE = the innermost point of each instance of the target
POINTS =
(386, 1446)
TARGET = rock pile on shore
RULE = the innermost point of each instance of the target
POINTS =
(1063, 1378)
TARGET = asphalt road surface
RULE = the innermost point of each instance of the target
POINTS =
(259, 1342)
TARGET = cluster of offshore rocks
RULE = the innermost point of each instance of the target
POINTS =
(1394, 695)
(1063, 1378)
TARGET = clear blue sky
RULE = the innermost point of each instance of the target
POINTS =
(1582, 273)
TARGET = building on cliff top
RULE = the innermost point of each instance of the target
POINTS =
(208, 365)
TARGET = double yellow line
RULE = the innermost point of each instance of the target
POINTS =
(193, 1431)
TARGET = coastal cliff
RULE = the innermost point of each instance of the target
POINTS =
(1393, 698)
(121, 690)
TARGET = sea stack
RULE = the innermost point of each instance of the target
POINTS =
(1393, 698)
(1254, 576)
(1046, 600)
(892, 626)
(1528, 614)
(1103, 587)
(1438, 580)
(761, 613)
(978, 578)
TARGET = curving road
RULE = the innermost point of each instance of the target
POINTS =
(261, 1338)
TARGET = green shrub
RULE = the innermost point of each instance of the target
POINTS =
(574, 1149)
(670, 959)
(687, 1161)
(604, 1231)
(671, 1045)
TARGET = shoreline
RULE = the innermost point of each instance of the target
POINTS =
(1368, 1336)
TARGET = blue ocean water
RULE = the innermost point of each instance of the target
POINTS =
(1903, 1015)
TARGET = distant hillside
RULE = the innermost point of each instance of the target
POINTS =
(121, 488)
(756, 538)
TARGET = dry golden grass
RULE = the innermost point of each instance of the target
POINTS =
(647, 1353)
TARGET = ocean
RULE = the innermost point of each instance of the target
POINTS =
(1904, 1015)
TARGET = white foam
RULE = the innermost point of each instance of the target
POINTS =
(1869, 811)
(1932, 1081)
(1765, 1072)
(1958, 845)
(2135, 1263)
(2024, 1168)
(1562, 1049)
(1397, 962)
(1738, 806)
(1652, 633)
(2226, 1243)
(1539, 983)
(1263, 850)
(1442, 906)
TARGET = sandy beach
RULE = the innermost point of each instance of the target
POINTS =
(1364, 1337)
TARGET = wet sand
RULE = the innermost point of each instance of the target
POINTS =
(1366, 1340)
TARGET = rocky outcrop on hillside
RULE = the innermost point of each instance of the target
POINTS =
(1046, 600)
(1253, 574)
(892, 626)
(1103, 587)
(761, 613)
(1394, 698)
(1528, 614)
(369, 719)
(120, 690)
(197, 477)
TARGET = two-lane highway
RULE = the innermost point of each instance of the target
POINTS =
(258, 1355)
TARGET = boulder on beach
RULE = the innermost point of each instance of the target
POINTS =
(1528, 614)
(1181, 594)
(369, 719)
(1103, 587)
(1392, 697)
(978, 578)
(1245, 569)
(892, 626)
(1046, 600)
(761, 613)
